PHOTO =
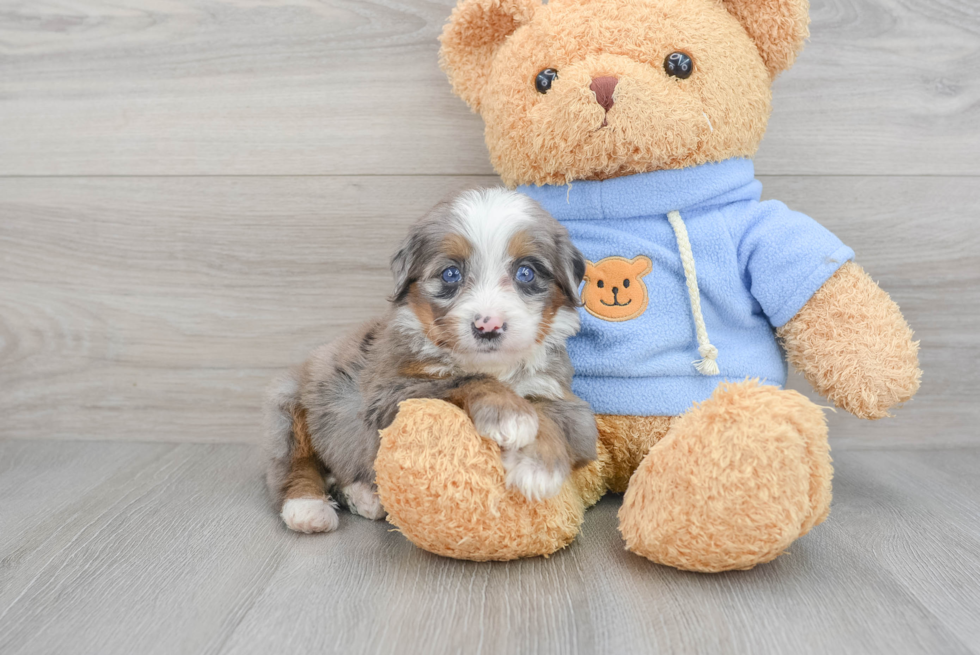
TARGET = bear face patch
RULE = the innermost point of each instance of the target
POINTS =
(614, 288)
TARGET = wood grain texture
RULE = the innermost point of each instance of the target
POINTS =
(155, 309)
(208, 87)
(158, 308)
(162, 548)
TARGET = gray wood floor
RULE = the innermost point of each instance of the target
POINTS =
(172, 548)
(194, 193)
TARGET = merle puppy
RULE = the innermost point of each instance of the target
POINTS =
(486, 287)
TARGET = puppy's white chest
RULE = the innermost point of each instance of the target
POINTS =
(542, 386)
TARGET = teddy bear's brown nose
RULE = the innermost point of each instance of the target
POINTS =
(603, 88)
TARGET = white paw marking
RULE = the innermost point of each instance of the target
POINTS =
(362, 500)
(532, 477)
(514, 430)
(309, 515)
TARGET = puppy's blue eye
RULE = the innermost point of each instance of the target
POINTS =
(451, 275)
(525, 274)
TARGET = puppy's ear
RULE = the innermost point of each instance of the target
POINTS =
(569, 268)
(401, 267)
(778, 27)
(476, 29)
(418, 248)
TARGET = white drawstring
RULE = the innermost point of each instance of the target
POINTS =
(709, 364)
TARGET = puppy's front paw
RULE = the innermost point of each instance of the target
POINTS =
(533, 477)
(511, 422)
(309, 515)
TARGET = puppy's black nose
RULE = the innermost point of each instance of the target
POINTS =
(603, 88)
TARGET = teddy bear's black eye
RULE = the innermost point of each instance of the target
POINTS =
(544, 79)
(678, 64)
(626, 284)
(600, 284)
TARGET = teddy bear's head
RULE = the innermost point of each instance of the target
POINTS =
(593, 89)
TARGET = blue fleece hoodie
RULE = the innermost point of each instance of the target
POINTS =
(757, 264)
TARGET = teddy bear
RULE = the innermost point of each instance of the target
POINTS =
(633, 122)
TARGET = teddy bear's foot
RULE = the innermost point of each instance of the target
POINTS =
(733, 483)
(443, 487)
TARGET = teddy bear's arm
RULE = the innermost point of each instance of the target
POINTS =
(853, 345)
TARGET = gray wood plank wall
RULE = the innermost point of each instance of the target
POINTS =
(194, 193)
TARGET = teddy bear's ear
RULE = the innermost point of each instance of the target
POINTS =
(471, 38)
(778, 27)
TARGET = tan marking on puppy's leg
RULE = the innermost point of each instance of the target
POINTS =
(306, 506)
(422, 370)
(497, 412)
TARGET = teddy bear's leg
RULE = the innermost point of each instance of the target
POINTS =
(443, 488)
(627, 440)
(733, 483)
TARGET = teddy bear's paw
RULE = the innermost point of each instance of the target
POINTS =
(736, 480)
(309, 515)
(533, 477)
(444, 488)
(853, 345)
(509, 421)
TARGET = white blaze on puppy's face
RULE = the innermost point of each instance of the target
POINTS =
(492, 313)
(491, 283)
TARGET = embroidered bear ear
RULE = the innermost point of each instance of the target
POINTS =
(640, 266)
(476, 29)
(778, 27)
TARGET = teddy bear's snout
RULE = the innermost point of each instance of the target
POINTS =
(603, 88)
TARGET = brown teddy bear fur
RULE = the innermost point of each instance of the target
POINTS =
(626, 440)
(852, 344)
(720, 112)
(443, 486)
(734, 480)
